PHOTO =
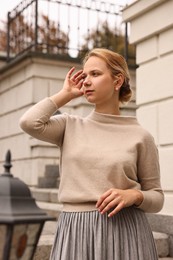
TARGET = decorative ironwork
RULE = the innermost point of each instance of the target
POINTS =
(7, 164)
(65, 27)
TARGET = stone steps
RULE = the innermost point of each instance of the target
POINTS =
(47, 199)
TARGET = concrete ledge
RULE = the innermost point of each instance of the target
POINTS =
(52, 209)
(44, 248)
(54, 196)
(161, 223)
(162, 244)
(46, 195)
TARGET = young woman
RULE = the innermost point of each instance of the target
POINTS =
(109, 166)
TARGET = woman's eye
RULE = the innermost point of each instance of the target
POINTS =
(95, 74)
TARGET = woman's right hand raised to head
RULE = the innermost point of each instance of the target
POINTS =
(73, 83)
(72, 88)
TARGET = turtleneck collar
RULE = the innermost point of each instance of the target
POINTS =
(108, 118)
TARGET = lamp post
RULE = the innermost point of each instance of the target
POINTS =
(21, 220)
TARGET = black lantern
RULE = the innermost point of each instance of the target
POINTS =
(21, 220)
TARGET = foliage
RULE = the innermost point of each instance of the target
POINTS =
(3, 40)
(50, 39)
(109, 39)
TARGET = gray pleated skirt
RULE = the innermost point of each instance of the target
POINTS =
(92, 236)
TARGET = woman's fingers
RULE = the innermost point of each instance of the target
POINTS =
(117, 199)
(76, 77)
(119, 207)
(111, 202)
(103, 197)
(108, 203)
(74, 82)
(70, 72)
(114, 199)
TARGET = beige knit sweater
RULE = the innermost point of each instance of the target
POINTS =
(98, 152)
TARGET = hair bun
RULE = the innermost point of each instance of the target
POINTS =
(125, 92)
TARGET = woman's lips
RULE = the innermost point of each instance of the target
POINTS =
(88, 92)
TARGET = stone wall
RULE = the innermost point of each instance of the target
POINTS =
(23, 83)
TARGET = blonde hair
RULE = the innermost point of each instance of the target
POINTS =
(117, 65)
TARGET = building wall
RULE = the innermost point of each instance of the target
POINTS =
(152, 30)
(23, 83)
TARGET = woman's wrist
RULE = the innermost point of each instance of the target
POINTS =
(139, 198)
(61, 98)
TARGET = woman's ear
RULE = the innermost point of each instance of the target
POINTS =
(118, 82)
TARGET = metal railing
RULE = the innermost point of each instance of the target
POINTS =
(66, 27)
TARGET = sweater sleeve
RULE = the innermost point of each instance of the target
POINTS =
(39, 122)
(149, 176)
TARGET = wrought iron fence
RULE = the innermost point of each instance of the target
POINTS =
(66, 27)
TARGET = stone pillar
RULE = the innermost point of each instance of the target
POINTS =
(151, 23)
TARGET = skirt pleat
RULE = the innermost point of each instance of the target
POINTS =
(92, 236)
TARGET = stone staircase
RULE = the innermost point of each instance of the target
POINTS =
(47, 199)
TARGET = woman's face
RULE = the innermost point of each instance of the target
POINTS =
(98, 85)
